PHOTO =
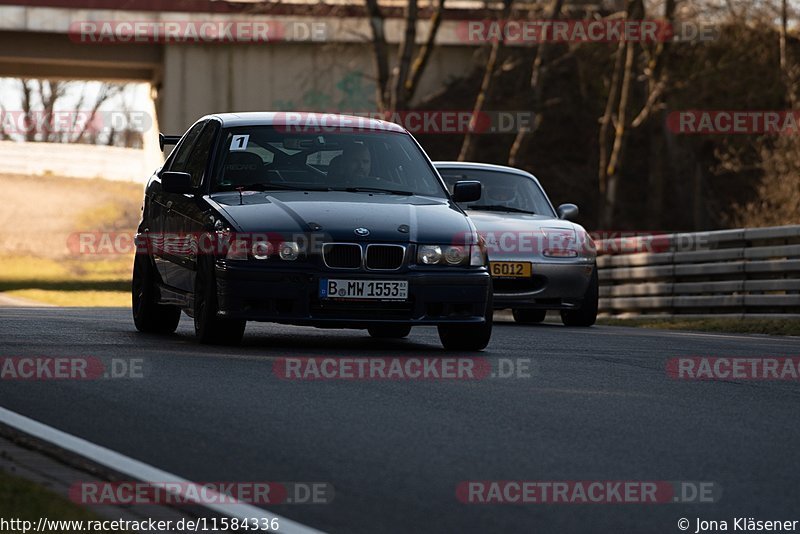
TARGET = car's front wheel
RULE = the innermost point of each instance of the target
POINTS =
(148, 315)
(586, 315)
(523, 316)
(390, 331)
(468, 337)
(208, 327)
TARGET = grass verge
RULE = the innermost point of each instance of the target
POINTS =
(21, 499)
(67, 282)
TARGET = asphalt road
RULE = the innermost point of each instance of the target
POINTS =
(598, 406)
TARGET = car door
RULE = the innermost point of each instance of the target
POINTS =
(185, 217)
(167, 240)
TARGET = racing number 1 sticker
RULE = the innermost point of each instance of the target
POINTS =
(239, 142)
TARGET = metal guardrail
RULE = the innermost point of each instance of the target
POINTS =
(753, 272)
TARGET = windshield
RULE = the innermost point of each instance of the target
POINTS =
(266, 158)
(502, 191)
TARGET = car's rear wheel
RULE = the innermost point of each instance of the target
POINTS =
(586, 315)
(468, 337)
(148, 315)
(389, 331)
(208, 327)
(523, 316)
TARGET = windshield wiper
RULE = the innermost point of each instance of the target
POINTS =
(274, 186)
(377, 190)
(499, 208)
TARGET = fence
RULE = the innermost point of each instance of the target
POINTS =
(745, 273)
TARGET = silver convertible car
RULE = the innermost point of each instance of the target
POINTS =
(539, 260)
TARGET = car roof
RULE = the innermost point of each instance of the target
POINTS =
(482, 166)
(303, 119)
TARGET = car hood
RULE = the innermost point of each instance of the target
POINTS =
(524, 236)
(337, 214)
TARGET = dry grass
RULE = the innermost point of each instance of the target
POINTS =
(60, 297)
(39, 213)
(42, 216)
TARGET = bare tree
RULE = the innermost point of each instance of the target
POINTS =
(468, 145)
(107, 91)
(40, 101)
(538, 71)
(380, 51)
(606, 122)
(396, 87)
(420, 63)
(787, 69)
(618, 110)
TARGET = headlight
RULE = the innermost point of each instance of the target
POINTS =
(450, 255)
(455, 255)
(564, 246)
(289, 251)
(261, 250)
(429, 254)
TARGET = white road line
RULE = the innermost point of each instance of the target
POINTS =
(138, 470)
(19, 302)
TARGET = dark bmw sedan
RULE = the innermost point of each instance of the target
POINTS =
(323, 220)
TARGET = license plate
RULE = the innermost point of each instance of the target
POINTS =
(363, 289)
(511, 269)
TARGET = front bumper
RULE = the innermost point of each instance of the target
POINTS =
(553, 286)
(262, 293)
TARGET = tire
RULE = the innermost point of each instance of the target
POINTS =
(468, 337)
(586, 315)
(390, 331)
(523, 316)
(208, 328)
(148, 315)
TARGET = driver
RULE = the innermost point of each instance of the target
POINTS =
(501, 195)
(357, 161)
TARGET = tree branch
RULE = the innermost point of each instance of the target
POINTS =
(380, 52)
(421, 61)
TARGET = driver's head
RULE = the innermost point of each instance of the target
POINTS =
(500, 194)
(357, 160)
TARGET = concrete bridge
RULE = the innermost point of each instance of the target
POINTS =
(318, 55)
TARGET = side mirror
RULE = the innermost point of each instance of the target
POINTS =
(467, 191)
(164, 140)
(568, 212)
(176, 182)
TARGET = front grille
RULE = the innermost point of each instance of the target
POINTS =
(385, 257)
(342, 256)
